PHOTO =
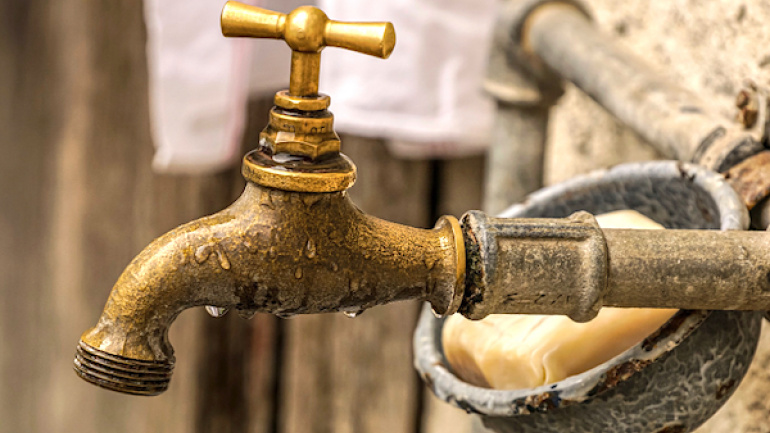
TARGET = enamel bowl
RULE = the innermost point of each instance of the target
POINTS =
(672, 381)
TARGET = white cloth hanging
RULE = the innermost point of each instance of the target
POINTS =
(427, 97)
(200, 82)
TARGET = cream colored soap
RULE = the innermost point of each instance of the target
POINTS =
(508, 351)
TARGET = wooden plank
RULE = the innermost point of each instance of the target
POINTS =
(355, 375)
(75, 136)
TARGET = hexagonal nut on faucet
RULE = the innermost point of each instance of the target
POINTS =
(301, 135)
(307, 148)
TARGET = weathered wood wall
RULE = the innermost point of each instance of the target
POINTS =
(78, 201)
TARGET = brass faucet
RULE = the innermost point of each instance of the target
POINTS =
(293, 243)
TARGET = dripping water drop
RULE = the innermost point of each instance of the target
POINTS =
(310, 251)
(353, 313)
(202, 253)
(215, 311)
(223, 261)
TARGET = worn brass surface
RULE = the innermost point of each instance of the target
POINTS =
(284, 100)
(271, 251)
(307, 30)
(293, 243)
(296, 174)
(298, 133)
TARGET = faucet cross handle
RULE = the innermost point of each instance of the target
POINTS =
(307, 30)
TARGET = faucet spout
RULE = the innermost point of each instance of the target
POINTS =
(272, 251)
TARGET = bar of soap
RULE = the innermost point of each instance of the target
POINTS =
(510, 351)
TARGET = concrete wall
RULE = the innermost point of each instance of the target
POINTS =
(711, 47)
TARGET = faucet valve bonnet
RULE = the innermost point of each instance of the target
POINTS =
(299, 150)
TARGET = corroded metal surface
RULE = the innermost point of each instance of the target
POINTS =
(679, 122)
(751, 178)
(571, 267)
(688, 269)
(271, 251)
(297, 174)
(672, 381)
(534, 266)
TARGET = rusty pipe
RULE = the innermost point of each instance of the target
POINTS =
(550, 39)
(572, 267)
(271, 251)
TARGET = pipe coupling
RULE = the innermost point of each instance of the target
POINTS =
(534, 266)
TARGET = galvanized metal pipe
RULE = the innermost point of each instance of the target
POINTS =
(572, 267)
(689, 269)
(516, 155)
(676, 121)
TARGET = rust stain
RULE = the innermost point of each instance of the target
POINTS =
(620, 373)
(542, 402)
(664, 332)
(751, 178)
(673, 428)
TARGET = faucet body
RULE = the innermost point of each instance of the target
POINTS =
(277, 252)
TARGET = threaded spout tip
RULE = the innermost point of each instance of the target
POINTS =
(117, 373)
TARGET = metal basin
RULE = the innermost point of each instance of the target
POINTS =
(672, 381)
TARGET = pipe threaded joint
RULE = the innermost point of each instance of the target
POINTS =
(117, 373)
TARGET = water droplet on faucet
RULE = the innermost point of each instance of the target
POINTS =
(266, 200)
(353, 313)
(311, 199)
(223, 261)
(430, 263)
(215, 311)
(251, 245)
(202, 253)
(310, 251)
